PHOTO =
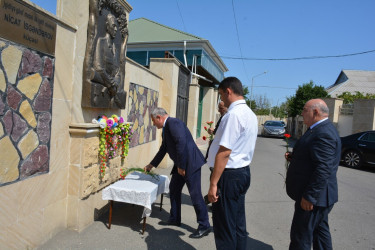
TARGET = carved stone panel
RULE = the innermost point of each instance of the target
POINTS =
(104, 64)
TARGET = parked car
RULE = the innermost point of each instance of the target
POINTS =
(273, 128)
(358, 149)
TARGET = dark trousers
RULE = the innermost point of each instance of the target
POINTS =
(228, 213)
(193, 183)
(310, 227)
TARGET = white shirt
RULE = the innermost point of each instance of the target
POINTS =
(312, 126)
(238, 132)
(165, 121)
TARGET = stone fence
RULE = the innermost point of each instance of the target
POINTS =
(360, 116)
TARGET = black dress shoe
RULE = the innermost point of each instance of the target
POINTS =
(199, 233)
(170, 223)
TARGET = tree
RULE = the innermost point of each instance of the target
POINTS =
(304, 93)
(250, 103)
(280, 111)
(262, 102)
(349, 97)
(261, 105)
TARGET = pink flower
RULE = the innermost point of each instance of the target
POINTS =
(110, 123)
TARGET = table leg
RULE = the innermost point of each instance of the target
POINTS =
(110, 214)
(161, 201)
(144, 225)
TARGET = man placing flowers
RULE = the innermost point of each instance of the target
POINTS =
(188, 161)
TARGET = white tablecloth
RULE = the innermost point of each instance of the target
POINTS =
(137, 188)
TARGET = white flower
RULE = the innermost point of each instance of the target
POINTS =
(102, 123)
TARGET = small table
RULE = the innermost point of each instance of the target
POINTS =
(139, 189)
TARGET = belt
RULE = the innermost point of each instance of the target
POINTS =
(233, 169)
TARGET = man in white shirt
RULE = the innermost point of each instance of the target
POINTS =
(230, 154)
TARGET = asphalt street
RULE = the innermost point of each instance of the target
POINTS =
(269, 213)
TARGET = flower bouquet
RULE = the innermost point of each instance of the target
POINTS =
(115, 134)
(210, 136)
(124, 173)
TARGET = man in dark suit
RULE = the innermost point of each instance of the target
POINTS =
(311, 178)
(188, 160)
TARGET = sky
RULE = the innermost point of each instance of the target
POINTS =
(257, 36)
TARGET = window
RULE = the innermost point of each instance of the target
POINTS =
(368, 137)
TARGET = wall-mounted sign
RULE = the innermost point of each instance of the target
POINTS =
(24, 24)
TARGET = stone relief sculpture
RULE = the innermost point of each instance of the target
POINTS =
(104, 65)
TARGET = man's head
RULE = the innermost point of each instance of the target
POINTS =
(158, 116)
(222, 109)
(111, 25)
(314, 111)
(230, 90)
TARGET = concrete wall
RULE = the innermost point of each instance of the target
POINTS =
(34, 210)
(345, 125)
(334, 105)
(363, 115)
(193, 106)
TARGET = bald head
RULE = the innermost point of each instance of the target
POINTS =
(314, 111)
(320, 105)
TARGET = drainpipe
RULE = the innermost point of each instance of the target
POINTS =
(185, 54)
(202, 77)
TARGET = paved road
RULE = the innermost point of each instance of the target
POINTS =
(268, 209)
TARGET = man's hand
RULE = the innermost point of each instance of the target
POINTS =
(288, 156)
(212, 194)
(181, 171)
(148, 168)
(306, 205)
(210, 131)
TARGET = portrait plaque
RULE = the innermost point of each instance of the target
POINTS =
(104, 64)
(24, 24)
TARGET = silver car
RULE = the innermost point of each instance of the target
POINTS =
(273, 128)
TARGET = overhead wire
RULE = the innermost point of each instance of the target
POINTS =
(179, 11)
(238, 39)
(297, 58)
(272, 87)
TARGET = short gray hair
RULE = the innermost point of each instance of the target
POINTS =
(322, 107)
(158, 111)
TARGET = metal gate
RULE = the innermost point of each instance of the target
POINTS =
(183, 94)
(200, 105)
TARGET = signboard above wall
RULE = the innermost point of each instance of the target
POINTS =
(25, 24)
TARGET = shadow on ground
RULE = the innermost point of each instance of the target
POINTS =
(128, 215)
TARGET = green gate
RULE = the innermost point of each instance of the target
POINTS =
(200, 104)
